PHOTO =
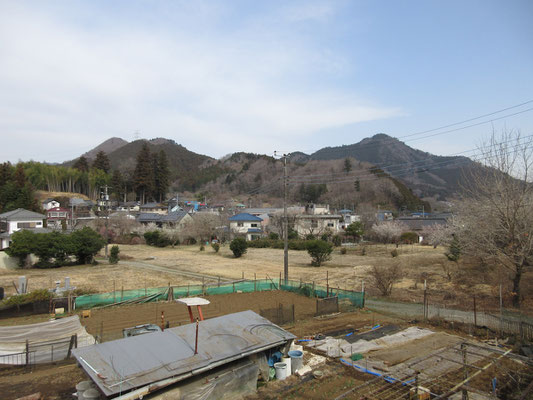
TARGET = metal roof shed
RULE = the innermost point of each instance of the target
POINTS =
(163, 358)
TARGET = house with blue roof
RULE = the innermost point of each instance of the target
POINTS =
(247, 225)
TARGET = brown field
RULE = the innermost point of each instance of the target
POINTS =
(346, 271)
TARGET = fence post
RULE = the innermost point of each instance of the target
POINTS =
(475, 313)
(314, 292)
(122, 293)
(327, 283)
(27, 352)
(363, 290)
(219, 281)
(70, 346)
(114, 292)
(242, 275)
(255, 282)
(501, 312)
(279, 282)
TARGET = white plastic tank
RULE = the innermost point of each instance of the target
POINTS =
(91, 394)
(82, 387)
(281, 371)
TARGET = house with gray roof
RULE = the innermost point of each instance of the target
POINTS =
(176, 219)
(13, 221)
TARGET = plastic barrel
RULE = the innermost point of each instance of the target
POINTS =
(287, 360)
(281, 370)
(91, 394)
(82, 387)
(297, 360)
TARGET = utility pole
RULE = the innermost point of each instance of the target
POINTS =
(285, 221)
(104, 202)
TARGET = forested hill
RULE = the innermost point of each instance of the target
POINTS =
(424, 173)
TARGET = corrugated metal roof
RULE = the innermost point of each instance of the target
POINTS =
(245, 217)
(133, 362)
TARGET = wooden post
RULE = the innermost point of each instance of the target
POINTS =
(425, 301)
(122, 293)
(327, 283)
(465, 371)
(242, 275)
(27, 352)
(145, 291)
(233, 287)
(203, 284)
(279, 282)
(501, 312)
(475, 313)
(70, 346)
(196, 341)
(114, 292)
(314, 293)
(219, 281)
(255, 282)
(163, 321)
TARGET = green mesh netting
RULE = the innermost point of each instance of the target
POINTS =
(157, 294)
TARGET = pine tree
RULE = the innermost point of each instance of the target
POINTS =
(162, 175)
(117, 183)
(144, 173)
(81, 164)
(102, 162)
(347, 165)
(6, 172)
(20, 176)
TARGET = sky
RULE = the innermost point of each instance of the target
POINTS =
(225, 76)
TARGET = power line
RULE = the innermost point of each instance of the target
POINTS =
(447, 126)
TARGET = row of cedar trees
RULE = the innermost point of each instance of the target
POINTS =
(151, 178)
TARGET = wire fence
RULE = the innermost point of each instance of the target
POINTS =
(504, 323)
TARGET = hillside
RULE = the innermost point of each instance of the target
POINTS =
(426, 174)
(107, 147)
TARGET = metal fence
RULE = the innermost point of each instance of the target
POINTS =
(328, 305)
(280, 315)
(45, 351)
(507, 323)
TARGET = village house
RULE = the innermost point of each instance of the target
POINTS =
(348, 217)
(129, 206)
(50, 203)
(247, 225)
(418, 225)
(13, 221)
(55, 217)
(177, 219)
(316, 221)
(83, 209)
(157, 208)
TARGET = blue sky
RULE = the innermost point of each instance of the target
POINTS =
(226, 76)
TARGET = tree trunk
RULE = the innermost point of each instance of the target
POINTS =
(516, 286)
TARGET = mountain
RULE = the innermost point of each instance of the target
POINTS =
(187, 169)
(426, 174)
(107, 147)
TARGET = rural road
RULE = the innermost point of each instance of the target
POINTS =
(172, 270)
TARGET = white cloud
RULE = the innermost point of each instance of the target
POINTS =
(214, 90)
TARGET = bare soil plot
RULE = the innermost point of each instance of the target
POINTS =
(110, 321)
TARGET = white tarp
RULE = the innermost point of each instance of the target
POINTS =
(341, 348)
(48, 341)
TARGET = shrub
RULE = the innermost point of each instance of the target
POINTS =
(156, 238)
(385, 277)
(215, 247)
(273, 236)
(202, 247)
(325, 237)
(337, 240)
(343, 250)
(309, 236)
(113, 254)
(238, 246)
(394, 253)
(292, 235)
(319, 251)
(409, 237)
(86, 244)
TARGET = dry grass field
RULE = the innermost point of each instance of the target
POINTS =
(347, 271)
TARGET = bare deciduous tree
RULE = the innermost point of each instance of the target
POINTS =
(438, 235)
(384, 277)
(389, 231)
(496, 218)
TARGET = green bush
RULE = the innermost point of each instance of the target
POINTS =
(36, 295)
(409, 237)
(156, 238)
(343, 250)
(292, 235)
(238, 246)
(325, 237)
(86, 244)
(113, 255)
(215, 247)
(310, 236)
(319, 251)
(454, 250)
(273, 236)
(394, 253)
(337, 240)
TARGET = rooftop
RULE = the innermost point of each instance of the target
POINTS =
(21, 214)
(245, 217)
(121, 365)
